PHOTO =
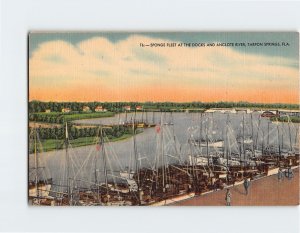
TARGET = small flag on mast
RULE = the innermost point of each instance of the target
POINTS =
(157, 128)
(98, 147)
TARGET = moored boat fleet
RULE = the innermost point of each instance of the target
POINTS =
(214, 157)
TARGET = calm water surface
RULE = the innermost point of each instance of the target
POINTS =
(87, 162)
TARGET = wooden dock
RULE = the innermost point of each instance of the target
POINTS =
(267, 191)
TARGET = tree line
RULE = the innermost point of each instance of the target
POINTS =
(39, 106)
(74, 132)
(58, 119)
(208, 105)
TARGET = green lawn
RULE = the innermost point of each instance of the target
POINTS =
(48, 117)
(79, 116)
(53, 144)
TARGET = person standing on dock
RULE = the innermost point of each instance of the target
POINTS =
(246, 185)
(228, 198)
(289, 173)
(280, 175)
(215, 186)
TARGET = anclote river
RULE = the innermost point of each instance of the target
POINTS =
(87, 161)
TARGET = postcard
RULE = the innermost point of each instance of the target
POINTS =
(163, 118)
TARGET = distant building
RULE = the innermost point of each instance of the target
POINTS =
(100, 109)
(268, 114)
(290, 113)
(127, 108)
(210, 110)
(66, 110)
(86, 109)
(139, 108)
(243, 110)
(258, 110)
(47, 110)
(221, 110)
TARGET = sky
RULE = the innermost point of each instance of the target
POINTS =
(112, 66)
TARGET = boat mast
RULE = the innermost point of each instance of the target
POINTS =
(263, 139)
(174, 138)
(268, 136)
(226, 145)
(296, 135)
(207, 152)
(95, 165)
(193, 162)
(252, 134)
(136, 156)
(104, 159)
(290, 135)
(153, 117)
(68, 163)
(244, 151)
(258, 128)
(282, 144)
(200, 132)
(162, 152)
(279, 149)
(36, 163)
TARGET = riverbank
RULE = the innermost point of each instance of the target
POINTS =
(54, 144)
(60, 118)
(267, 191)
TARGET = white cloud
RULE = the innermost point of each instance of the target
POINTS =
(99, 62)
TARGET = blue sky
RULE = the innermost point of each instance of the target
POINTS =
(287, 52)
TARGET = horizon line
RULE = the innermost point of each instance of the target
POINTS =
(196, 101)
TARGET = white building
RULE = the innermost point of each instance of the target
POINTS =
(86, 109)
(291, 113)
(100, 109)
(66, 110)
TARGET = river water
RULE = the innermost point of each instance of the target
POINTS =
(171, 139)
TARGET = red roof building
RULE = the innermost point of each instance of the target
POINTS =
(127, 108)
(100, 109)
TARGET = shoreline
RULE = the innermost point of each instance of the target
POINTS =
(90, 141)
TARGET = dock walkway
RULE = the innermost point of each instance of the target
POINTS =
(267, 191)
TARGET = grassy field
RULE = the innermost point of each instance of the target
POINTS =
(54, 144)
(79, 116)
(41, 116)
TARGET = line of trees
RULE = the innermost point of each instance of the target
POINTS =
(58, 119)
(74, 133)
(39, 106)
(207, 105)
